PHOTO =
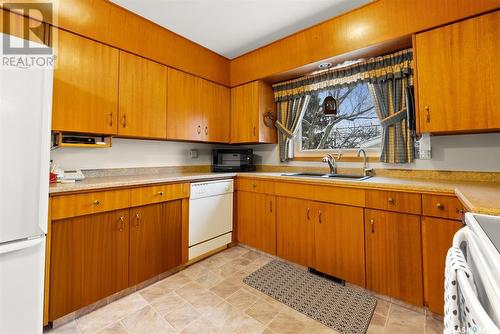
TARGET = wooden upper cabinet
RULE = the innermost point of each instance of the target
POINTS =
(340, 241)
(394, 255)
(216, 100)
(197, 109)
(142, 98)
(249, 104)
(85, 86)
(457, 70)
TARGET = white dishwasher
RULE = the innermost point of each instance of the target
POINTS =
(210, 216)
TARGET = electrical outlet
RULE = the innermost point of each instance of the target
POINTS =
(193, 154)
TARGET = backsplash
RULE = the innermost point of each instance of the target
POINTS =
(478, 152)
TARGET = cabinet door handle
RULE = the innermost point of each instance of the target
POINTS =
(206, 130)
(440, 206)
(254, 131)
(96, 202)
(198, 129)
(391, 200)
(271, 206)
(121, 223)
(137, 220)
(428, 113)
(110, 119)
(124, 123)
(319, 217)
(372, 224)
(308, 211)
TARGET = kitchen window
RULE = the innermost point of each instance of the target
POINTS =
(355, 125)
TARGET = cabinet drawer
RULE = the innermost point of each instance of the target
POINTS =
(328, 194)
(442, 206)
(256, 186)
(158, 193)
(66, 206)
(394, 201)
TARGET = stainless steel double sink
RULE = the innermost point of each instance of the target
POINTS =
(329, 176)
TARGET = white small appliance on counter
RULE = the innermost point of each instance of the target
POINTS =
(25, 117)
(210, 216)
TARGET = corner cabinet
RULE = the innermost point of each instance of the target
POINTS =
(456, 77)
(197, 109)
(85, 97)
(249, 105)
(142, 98)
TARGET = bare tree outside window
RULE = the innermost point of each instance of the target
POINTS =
(355, 125)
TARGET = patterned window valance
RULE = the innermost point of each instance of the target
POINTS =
(376, 69)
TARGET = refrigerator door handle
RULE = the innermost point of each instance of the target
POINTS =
(20, 245)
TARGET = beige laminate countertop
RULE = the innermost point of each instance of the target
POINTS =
(478, 197)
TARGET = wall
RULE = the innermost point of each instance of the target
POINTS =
(479, 152)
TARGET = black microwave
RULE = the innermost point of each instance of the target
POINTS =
(232, 160)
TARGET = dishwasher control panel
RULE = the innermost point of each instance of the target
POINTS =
(211, 188)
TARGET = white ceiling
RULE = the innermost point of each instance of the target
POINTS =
(234, 27)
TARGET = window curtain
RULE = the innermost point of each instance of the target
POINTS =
(390, 82)
(290, 113)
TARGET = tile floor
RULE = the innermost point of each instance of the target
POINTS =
(210, 297)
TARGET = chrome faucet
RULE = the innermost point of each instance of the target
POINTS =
(366, 170)
(330, 160)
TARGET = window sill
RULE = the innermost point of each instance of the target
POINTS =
(344, 158)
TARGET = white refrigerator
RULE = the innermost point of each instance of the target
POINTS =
(25, 116)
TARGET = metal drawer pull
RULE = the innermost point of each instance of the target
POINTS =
(461, 211)
(122, 223)
(372, 223)
(440, 206)
(319, 216)
(160, 193)
(96, 202)
(137, 219)
(254, 185)
(206, 130)
(428, 110)
(198, 129)
(271, 206)
(308, 210)
(391, 200)
(124, 120)
(110, 119)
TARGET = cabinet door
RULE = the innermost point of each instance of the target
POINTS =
(89, 260)
(142, 98)
(185, 106)
(244, 113)
(85, 86)
(394, 255)
(437, 238)
(295, 231)
(145, 242)
(216, 112)
(340, 241)
(457, 75)
(171, 234)
(257, 221)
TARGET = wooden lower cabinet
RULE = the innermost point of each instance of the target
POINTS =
(340, 241)
(155, 233)
(295, 231)
(257, 220)
(89, 260)
(394, 255)
(437, 238)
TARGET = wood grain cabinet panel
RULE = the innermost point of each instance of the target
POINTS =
(142, 98)
(340, 241)
(394, 255)
(85, 97)
(257, 220)
(253, 185)
(338, 195)
(158, 193)
(155, 234)
(216, 112)
(295, 231)
(394, 201)
(437, 238)
(249, 104)
(65, 206)
(89, 260)
(456, 76)
(442, 206)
